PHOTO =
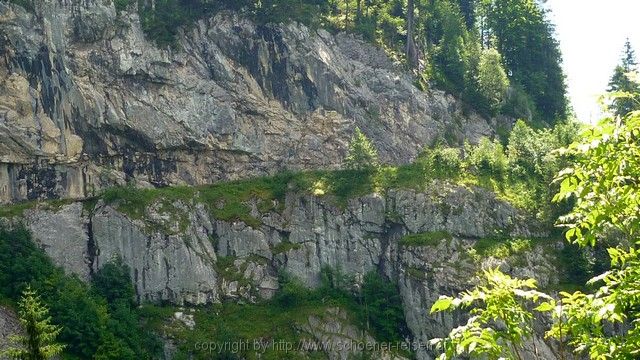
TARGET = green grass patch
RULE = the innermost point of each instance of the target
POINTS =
(284, 247)
(425, 239)
(18, 210)
(502, 247)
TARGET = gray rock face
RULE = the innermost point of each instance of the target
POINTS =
(87, 102)
(203, 259)
(9, 326)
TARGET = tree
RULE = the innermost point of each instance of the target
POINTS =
(113, 282)
(412, 50)
(449, 56)
(383, 312)
(499, 299)
(531, 55)
(468, 8)
(492, 80)
(39, 342)
(488, 158)
(604, 183)
(622, 82)
(362, 154)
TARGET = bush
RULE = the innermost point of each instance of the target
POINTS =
(518, 104)
(487, 158)
(442, 162)
(492, 78)
(21, 262)
(113, 282)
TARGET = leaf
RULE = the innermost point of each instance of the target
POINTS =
(443, 303)
(545, 307)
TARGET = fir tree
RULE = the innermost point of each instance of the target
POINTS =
(362, 154)
(39, 342)
(622, 82)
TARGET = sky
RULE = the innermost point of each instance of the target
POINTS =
(592, 35)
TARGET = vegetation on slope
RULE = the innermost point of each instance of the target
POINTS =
(101, 320)
(97, 318)
(603, 183)
(377, 308)
(519, 174)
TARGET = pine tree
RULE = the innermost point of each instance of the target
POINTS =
(468, 8)
(362, 154)
(621, 82)
(39, 341)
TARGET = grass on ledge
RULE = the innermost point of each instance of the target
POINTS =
(247, 200)
(425, 239)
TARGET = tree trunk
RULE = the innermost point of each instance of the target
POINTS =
(412, 51)
(346, 14)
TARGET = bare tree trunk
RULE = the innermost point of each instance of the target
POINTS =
(346, 14)
(412, 51)
(358, 11)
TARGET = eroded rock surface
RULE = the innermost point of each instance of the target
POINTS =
(86, 101)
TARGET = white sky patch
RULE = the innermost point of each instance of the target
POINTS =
(591, 35)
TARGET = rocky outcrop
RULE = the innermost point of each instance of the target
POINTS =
(9, 326)
(183, 254)
(86, 101)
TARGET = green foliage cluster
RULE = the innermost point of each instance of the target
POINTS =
(492, 79)
(425, 239)
(377, 305)
(499, 299)
(501, 247)
(524, 37)
(488, 158)
(98, 320)
(603, 183)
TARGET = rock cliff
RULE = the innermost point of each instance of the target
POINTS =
(183, 254)
(86, 101)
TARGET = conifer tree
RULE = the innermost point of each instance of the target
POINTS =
(39, 341)
(622, 82)
(362, 154)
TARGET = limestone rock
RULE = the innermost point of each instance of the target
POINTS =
(88, 102)
(181, 253)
